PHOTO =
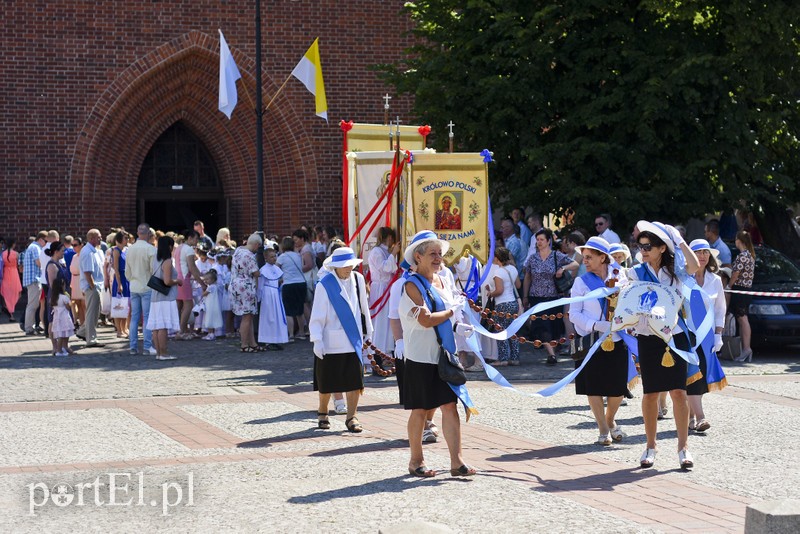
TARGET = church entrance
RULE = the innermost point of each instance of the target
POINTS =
(179, 184)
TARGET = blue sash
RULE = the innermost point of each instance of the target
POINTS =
(445, 334)
(715, 376)
(593, 282)
(343, 311)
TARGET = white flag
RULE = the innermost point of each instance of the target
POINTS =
(228, 74)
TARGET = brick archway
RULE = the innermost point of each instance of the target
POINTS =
(178, 81)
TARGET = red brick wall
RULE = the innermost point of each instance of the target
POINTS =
(89, 86)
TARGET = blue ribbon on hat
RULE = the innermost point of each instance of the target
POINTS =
(342, 257)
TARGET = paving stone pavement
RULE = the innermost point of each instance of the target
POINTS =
(227, 441)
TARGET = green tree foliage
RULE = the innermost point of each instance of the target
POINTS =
(646, 109)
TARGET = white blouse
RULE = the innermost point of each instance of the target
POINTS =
(712, 284)
(584, 314)
(421, 345)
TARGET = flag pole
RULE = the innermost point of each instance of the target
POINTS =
(259, 128)
(279, 91)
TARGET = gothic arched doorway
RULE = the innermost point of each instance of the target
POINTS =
(179, 184)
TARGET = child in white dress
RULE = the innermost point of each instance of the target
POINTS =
(212, 318)
(63, 327)
(223, 260)
(271, 317)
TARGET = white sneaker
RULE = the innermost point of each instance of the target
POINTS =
(62, 353)
(428, 437)
(152, 351)
(340, 407)
(166, 357)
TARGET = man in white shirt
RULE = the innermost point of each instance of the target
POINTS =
(138, 268)
(602, 225)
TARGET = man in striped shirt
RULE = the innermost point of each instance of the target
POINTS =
(31, 273)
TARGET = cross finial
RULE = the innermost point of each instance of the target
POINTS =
(450, 126)
(386, 101)
(398, 125)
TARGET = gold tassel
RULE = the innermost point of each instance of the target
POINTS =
(608, 344)
(471, 411)
(666, 360)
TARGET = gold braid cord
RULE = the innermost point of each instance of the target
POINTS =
(492, 325)
(383, 356)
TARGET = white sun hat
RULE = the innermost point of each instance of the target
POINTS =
(659, 230)
(702, 244)
(596, 243)
(341, 257)
(424, 236)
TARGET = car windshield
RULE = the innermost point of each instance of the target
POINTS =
(772, 267)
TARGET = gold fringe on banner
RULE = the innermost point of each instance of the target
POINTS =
(694, 378)
(718, 386)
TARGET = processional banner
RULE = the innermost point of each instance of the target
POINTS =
(375, 137)
(449, 195)
(368, 207)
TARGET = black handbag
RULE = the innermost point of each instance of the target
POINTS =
(450, 368)
(563, 284)
(158, 284)
(490, 305)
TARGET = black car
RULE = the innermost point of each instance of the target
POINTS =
(774, 320)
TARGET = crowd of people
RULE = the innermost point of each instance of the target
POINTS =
(404, 303)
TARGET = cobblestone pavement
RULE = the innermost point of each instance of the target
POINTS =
(228, 441)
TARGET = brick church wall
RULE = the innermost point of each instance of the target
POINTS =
(89, 87)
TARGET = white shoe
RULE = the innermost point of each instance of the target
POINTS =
(62, 353)
(617, 434)
(152, 351)
(648, 458)
(166, 357)
(428, 437)
(604, 439)
(340, 407)
(685, 459)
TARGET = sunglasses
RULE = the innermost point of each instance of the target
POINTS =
(601, 223)
(647, 247)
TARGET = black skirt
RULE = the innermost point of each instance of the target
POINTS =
(338, 373)
(739, 305)
(294, 299)
(700, 386)
(656, 377)
(606, 374)
(422, 387)
(546, 329)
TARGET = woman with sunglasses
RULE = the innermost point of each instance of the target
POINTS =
(657, 242)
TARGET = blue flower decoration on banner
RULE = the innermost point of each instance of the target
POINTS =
(487, 156)
(410, 157)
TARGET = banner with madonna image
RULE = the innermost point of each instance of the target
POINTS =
(449, 195)
(648, 306)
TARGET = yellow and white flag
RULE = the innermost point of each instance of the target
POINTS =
(309, 71)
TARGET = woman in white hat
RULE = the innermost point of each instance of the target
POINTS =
(713, 376)
(429, 310)
(620, 253)
(338, 327)
(606, 374)
(657, 244)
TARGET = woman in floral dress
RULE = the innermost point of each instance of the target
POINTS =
(243, 288)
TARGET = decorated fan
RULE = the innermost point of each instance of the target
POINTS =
(647, 305)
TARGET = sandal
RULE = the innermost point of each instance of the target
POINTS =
(422, 471)
(323, 424)
(260, 348)
(248, 349)
(462, 471)
(353, 425)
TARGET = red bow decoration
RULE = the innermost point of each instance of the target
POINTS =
(346, 126)
(424, 131)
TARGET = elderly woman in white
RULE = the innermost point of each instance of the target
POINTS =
(429, 305)
(339, 325)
